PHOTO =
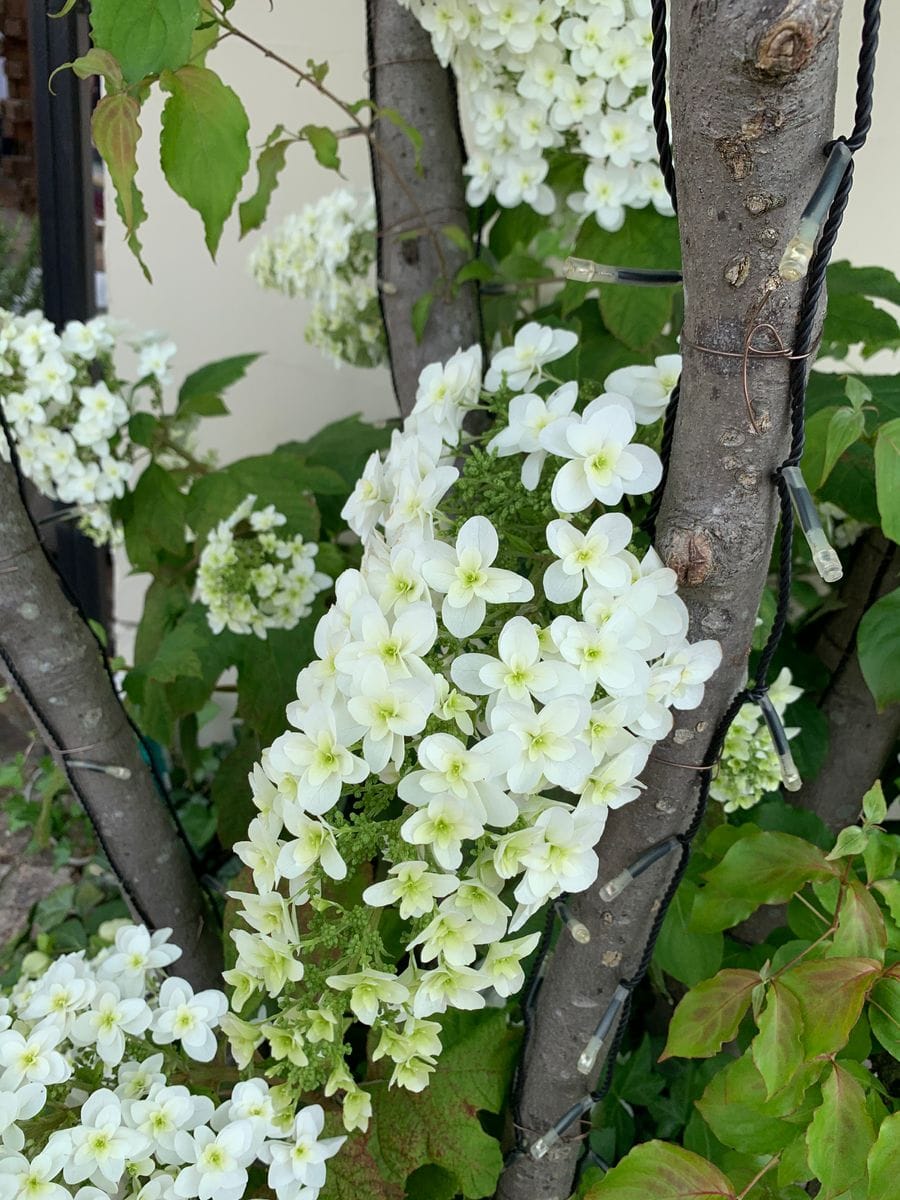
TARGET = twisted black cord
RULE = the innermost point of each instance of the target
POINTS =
(658, 90)
(865, 75)
(665, 454)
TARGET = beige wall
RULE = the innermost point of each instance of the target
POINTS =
(214, 310)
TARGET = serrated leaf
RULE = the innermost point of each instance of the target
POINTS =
(154, 518)
(203, 147)
(142, 427)
(278, 479)
(177, 655)
(146, 36)
(636, 316)
(325, 145)
(116, 132)
(231, 792)
(884, 1014)
(857, 392)
(882, 1160)
(97, 62)
(665, 1172)
(878, 646)
(853, 320)
(831, 993)
(887, 478)
(762, 868)
(211, 380)
(710, 1014)
(682, 952)
(890, 889)
(777, 1048)
(269, 166)
(861, 932)
(846, 426)
(267, 676)
(850, 841)
(840, 1135)
(874, 804)
(735, 1107)
(440, 1125)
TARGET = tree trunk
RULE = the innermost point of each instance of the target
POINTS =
(860, 738)
(418, 196)
(54, 663)
(752, 97)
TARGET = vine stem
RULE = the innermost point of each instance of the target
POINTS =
(773, 1162)
(360, 126)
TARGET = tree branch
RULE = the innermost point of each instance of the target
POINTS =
(54, 664)
(860, 738)
(752, 108)
(415, 204)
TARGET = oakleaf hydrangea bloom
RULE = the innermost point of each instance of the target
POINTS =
(749, 765)
(539, 76)
(250, 579)
(326, 254)
(90, 1106)
(69, 411)
(487, 687)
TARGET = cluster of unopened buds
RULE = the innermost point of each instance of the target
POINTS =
(481, 698)
(250, 579)
(541, 75)
(68, 411)
(326, 254)
(101, 1095)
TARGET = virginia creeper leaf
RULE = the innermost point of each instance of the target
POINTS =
(883, 1159)
(203, 147)
(887, 478)
(146, 36)
(213, 379)
(735, 1107)
(840, 1134)
(884, 1014)
(861, 932)
(777, 1048)
(664, 1172)
(325, 145)
(270, 164)
(683, 953)
(831, 993)
(845, 427)
(116, 131)
(710, 1014)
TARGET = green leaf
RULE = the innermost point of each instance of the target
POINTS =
(146, 36)
(142, 428)
(97, 62)
(154, 518)
(356, 1170)
(208, 383)
(683, 953)
(664, 1172)
(861, 932)
(883, 1159)
(874, 804)
(884, 1014)
(415, 138)
(636, 316)
(887, 478)
(846, 426)
(267, 676)
(737, 1110)
(177, 655)
(419, 314)
(844, 279)
(840, 1135)
(851, 483)
(853, 320)
(710, 1014)
(831, 993)
(777, 1048)
(857, 392)
(440, 1125)
(269, 166)
(762, 868)
(890, 889)
(324, 144)
(880, 856)
(850, 841)
(279, 479)
(878, 645)
(116, 132)
(458, 237)
(203, 147)
(231, 792)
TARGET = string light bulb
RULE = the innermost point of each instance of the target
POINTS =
(587, 1060)
(81, 764)
(790, 776)
(540, 1148)
(615, 886)
(585, 270)
(579, 931)
(825, 558)
(799, 250)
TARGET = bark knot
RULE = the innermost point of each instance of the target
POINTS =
(690, 556)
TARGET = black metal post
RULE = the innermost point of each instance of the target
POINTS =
(68, 241)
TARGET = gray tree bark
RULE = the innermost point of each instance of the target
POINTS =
(53, 662)
(860, 737)
(752, 97)
(415, 203)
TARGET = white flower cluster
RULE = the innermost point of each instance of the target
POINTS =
(69, 413)
(252, 580)
(326, 254)
(91, 1109)
(507, 726)
(547, 74)
(749, 765)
